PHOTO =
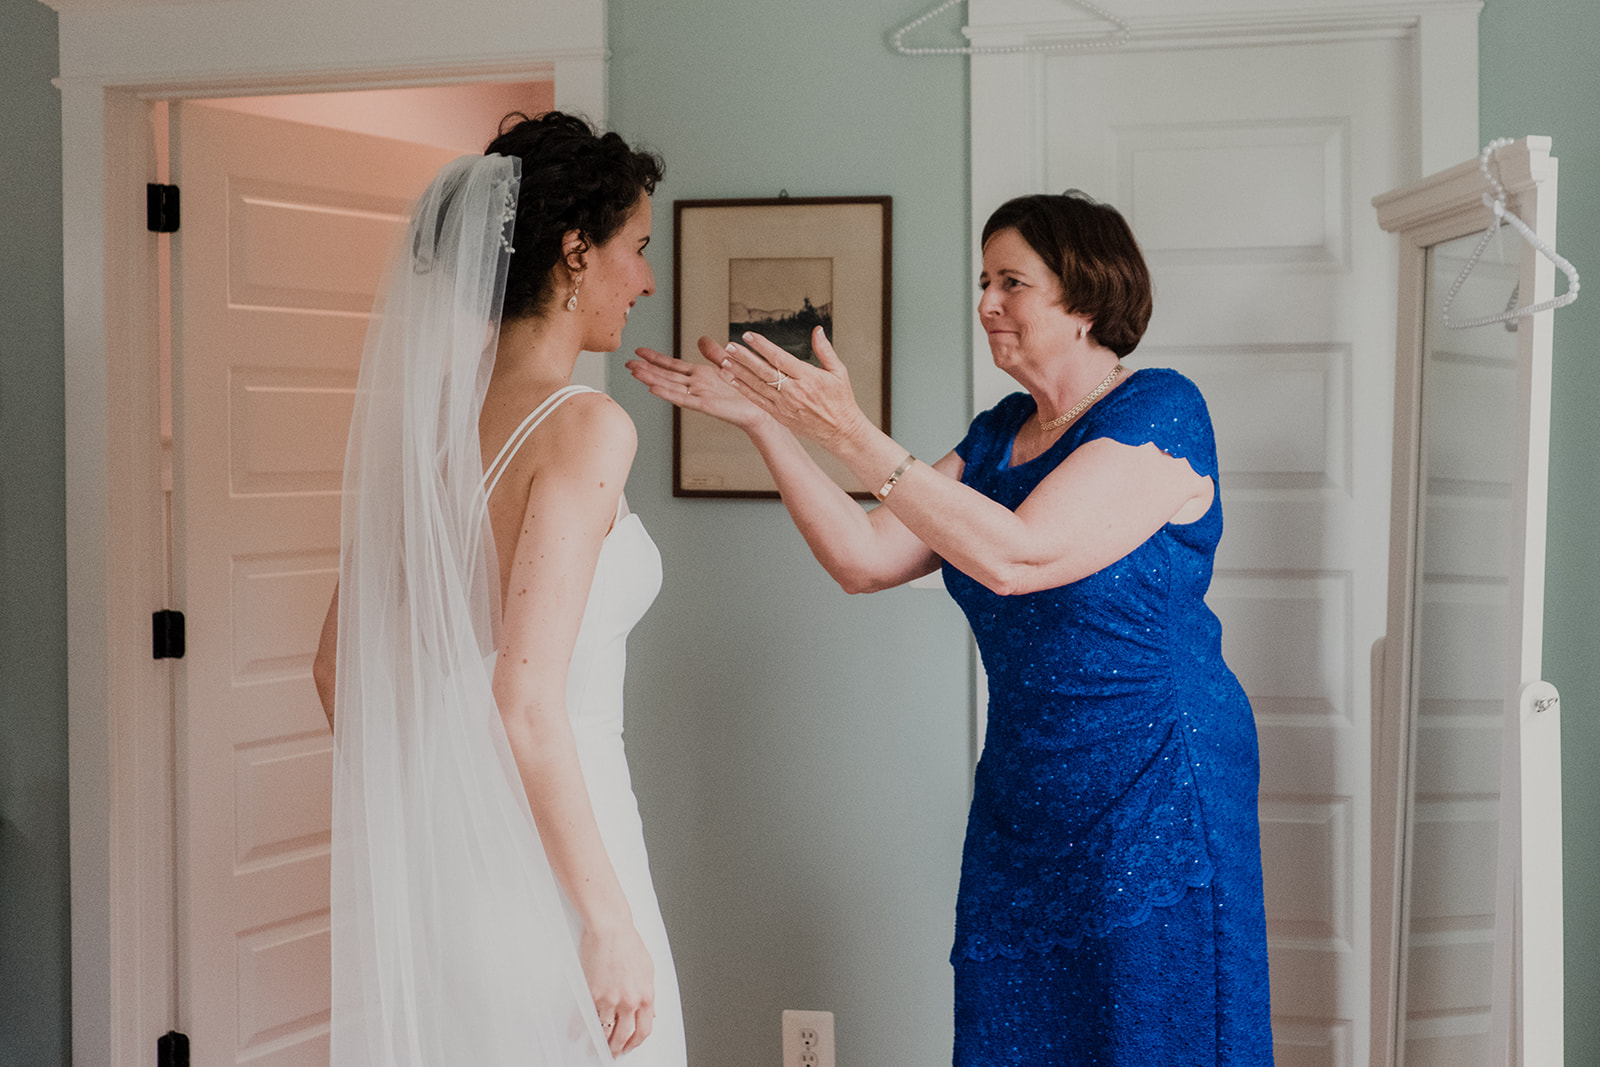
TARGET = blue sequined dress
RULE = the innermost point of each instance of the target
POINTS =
(1110, 909)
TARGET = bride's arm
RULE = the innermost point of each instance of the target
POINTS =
(572, 501)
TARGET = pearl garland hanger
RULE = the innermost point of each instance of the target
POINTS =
(1116, 38)
(1497, 204)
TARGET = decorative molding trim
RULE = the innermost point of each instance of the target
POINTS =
(1454, 192)
(198, 85)
(1228, 29)
(1334, 816)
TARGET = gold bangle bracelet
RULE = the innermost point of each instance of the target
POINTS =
(905, 465)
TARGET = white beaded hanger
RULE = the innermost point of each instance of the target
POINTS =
(1497, 204)
(1114, 39)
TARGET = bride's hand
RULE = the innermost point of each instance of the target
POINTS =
(696, 386)
(622, 982)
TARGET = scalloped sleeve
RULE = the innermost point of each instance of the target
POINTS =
(1163, 407)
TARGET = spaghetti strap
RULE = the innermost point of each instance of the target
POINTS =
(491, 477)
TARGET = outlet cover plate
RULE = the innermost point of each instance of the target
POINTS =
(808, 1039)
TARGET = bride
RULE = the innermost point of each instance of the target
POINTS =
(492, 901)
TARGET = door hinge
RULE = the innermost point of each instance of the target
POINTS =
(172, 1049)
(161, 208)
(166, 636)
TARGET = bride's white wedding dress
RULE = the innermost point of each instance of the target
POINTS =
(451, 939)
(625, 584)
(627, 578)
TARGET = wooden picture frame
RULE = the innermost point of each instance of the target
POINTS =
(778, 266)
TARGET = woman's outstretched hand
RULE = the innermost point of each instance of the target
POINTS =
(695, 386)
(813, 401)
(622, 982)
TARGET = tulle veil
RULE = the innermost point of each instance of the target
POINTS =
(451, 941)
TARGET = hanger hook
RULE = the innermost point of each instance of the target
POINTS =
(1501, 214)
(1483, 164)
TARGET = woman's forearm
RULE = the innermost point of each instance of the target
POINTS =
(978, 536)
(861, 554)
(949, 520)
(1115, 498)
(832, 523)
(546, 754)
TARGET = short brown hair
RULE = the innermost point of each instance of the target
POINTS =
(1092, 250)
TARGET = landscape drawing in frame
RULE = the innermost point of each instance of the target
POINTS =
(780, 267)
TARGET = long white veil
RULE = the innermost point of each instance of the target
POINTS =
(452, 942)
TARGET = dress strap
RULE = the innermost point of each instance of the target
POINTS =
(491, 477)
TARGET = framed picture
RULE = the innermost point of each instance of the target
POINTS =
(778, 267)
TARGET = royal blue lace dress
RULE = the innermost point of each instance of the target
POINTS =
(1110, 909)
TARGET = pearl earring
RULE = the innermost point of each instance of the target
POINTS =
(572, 301)
(1083, 328)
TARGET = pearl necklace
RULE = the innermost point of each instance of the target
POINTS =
(1077, 409)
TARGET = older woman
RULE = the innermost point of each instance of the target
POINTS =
(1110, 908)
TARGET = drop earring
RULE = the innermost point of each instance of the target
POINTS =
(1083, 329)
(572, 301)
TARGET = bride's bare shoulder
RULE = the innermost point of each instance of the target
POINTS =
(592, 413)
(592, 427)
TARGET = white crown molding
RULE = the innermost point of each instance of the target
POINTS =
(203, 83)
(1006, 22)
(1457, 191)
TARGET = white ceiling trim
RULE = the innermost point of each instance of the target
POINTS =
(1046, 22)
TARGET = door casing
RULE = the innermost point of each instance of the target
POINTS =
(115, 64)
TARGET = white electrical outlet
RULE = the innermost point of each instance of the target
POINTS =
(808, 1039)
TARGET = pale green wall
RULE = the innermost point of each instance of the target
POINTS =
(802, 765)
(802, 757)
(747, 96)
(1539, 75)
(34, 939)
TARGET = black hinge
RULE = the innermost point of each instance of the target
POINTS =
(172, 1049)
(161, 208)
(166, 637)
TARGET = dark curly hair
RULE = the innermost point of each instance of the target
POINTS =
(1093, 251)
(573, 178)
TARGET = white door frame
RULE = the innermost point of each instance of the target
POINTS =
(115, 61)
(1007, 99)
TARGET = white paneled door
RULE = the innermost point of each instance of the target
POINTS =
(285, 230)
(1246, 172)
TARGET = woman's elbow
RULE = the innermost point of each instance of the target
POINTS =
(1004, 586)
(855, 584)
(1022, 579)
(1014, 579)
(857, 580)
